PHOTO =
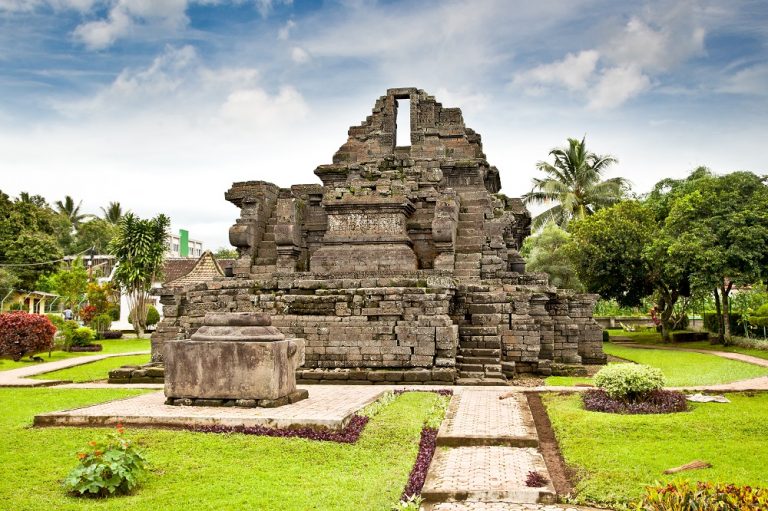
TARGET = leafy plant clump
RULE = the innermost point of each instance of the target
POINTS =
(535, 480)
(629, 382)
(418, 475)
(703, 496)
(112, 334)
(348, 435)
(110, 467)
(22, 334)
(412, 503)
(76, 335)
(657, 401)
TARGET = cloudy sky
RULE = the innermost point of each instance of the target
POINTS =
(162, 104)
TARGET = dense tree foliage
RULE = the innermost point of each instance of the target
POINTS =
(575, 184)
(545, 252)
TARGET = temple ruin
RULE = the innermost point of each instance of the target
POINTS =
(402, 266)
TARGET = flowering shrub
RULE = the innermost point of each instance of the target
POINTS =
(87, 313)
(535, 480)
(107, 468)
(22, 334)
(703, 496)
(629, 381)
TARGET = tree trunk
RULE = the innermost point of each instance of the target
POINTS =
(720, 332)
(726, 311)
(666, 308)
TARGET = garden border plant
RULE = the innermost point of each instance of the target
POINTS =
(632, 389)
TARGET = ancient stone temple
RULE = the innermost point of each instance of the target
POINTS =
(401, 265)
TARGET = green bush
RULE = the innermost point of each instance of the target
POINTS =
(153, 316)
(760, 316)
(76, 335)
(101, 323)
(629, 381)
(703, 496)
(108, 468)
(690, 336)
(606, 336)
(711, 321)
(56, 319)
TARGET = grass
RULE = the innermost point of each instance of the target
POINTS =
(211, 471)
(93, 370)
(680, 368)
(653, 337)
(109, 346)
(616, 456)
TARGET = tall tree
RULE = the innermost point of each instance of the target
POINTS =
(139, 247)
(719, 229)
(113, 213)
(95, 234)
(575, 184)
(71, 211)
(30, 240)
(37, 200)
(621, 252)
(70, 283)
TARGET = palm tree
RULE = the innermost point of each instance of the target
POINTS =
(113, 213)
(574, 182)
(72, 212)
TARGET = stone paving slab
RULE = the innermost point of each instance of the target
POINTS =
(475, 505)
(20, 377)
(487, 473)
(479, 417)
(330, 406)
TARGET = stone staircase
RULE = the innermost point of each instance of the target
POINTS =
(479, 356)
(265, 262)
(470, 236)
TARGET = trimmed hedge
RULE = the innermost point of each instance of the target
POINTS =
(711, 322)
(690, 336)
(22, 334)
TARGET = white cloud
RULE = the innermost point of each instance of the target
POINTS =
(751, 80)
(285, 31)
(299, 55)
(255, 107)
(127, 14)
(616, 85)
(573, 72)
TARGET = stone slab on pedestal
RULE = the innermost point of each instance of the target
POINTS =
(234, 357)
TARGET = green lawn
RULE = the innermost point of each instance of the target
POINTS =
(109, 346)
(653, 337)
(616, 456)
(210, 471)
(98, 370)
(680, 368)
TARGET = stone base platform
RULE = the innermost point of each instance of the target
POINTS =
(326, 407)
(293, 397)
(154, 372)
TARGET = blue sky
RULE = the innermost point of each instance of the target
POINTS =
(162, 104)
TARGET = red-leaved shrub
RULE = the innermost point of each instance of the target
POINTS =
(22, 334)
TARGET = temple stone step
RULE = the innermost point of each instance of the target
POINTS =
(269, 236)
(265, 261)
(479, 344)
(471, 217)
(471, 368)
(467, 274)
(461, 359)
(467, 265)
(472, 230)
(480, 352)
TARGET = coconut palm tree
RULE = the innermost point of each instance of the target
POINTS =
(71, 212)
(574, 183)
(113, 213)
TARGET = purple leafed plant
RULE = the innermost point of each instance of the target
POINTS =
(423, 459)
(441, 392)
(535, 480)
(657, 401)
(348, 435)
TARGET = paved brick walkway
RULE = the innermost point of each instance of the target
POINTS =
(487, 462)
(479, 417)
(475, 505)
(20, 377)
(328, 405)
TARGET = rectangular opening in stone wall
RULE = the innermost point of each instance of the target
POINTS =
(403, 123)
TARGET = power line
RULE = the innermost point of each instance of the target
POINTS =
(11, 265)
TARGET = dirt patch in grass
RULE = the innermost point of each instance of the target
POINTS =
(563, 478)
